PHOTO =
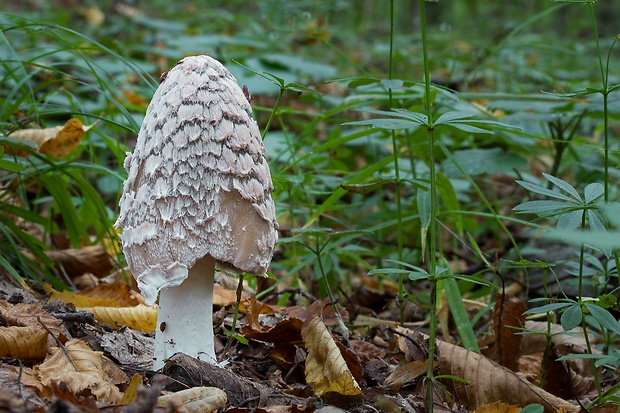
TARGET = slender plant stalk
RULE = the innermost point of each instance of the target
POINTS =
(605, 92)
(273, 113)
(399, 228)
(432, 231)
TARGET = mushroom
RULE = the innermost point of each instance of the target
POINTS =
(197, 196)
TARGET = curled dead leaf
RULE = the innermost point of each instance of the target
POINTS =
(141, 317)
(57, 141)
(195, 400)
(326, 369)
(81, 369)
(488, 382)
(25, 343)
(406, 373)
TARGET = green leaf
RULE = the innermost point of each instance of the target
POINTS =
(366, 187)
(389, 271)
(537, 189)
(11, 166)
(604, 317)
(393, 84)
(415, 276)
(565, 186)
(480, 161)
(609, 239)
(424, 209)
(593, 191)
(543, 207)
(570, 220)
(533, 408)
(453, 115)
(450, 199)
(596, 225)
(387, 124)
(312, 231)
(469, 128)
(459, 312)
(396, 119)
(547, 308)
(571, 318)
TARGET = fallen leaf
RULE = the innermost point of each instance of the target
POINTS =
(31, 315)
(77, 261)
(406, 373)
(81, 369)
(488, 382)
(326, 369)
(24, 343)
(508, 321)
(58, 141)
(103, 295)
(194, 400)
(141, 317)
(497, 407)
(131, 392)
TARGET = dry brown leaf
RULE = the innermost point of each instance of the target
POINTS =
(284, 331)
(326, 369)
(488, 382)
(77, 261)
(195, 400)
(58, 141)
(318, 307)
(141, 317)
(412, 343)
(497, 407)
(119, 293)
(406, 373)
(103, 295)
(81, 369)
(223, 296)
(572, 342)
(535, 343)
(25, 343)
(508, 320)
(31, 315)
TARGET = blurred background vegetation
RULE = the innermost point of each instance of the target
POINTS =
(100, 61)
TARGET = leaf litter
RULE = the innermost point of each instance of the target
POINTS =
(57, 349)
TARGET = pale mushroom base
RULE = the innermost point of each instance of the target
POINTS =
(185, 316)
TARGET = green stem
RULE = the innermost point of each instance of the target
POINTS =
(433, 224)
(343, 328)
(399, 215)
(273, 113)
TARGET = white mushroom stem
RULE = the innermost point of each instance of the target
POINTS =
(185, 317)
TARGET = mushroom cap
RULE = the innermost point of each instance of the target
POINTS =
(198, 182)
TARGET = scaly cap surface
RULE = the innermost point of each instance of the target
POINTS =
(198, 181)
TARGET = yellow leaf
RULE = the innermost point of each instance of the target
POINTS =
(58, 141)
(106, 303)
(141, 317)
(131, 392)
(80, 301)
(326, 370)
(28, 343)
(195, 400)
(81, 369)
